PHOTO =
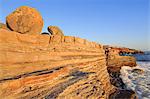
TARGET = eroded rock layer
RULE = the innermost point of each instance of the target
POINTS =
(43, 66)
(115, 58)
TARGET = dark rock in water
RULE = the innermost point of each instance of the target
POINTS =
(116, 80)
(138, 71)
(123, 94)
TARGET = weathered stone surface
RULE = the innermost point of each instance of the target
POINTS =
(43, 66)
(69, 39)
(122, 50)
(57, 66)
(37, 66)
(115, 60)
(79, 40)
(25, 20)
(137, 71)
(54, 30)
(7, 37)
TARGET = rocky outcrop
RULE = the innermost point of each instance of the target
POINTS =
(54, 30)
(116, 57)
(25, 20)
(123, 50)
(43, 66)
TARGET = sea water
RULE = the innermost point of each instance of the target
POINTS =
(138, 80)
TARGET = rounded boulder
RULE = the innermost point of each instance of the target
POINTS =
(25, 20)
(54, 30)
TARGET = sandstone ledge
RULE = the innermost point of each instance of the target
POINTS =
(42, 66)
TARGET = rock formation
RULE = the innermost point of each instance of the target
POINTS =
(25, 20)
(54, 66)
(118, 57)
(54, 30)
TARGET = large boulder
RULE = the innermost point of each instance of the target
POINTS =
(54, 30)
(25, 20)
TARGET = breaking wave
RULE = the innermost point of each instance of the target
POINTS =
(138, 79)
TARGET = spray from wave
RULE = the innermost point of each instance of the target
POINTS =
(138, 79)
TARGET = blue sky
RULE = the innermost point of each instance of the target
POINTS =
(113, 22)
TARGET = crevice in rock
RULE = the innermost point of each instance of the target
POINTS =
(8, 26)
(35, 73)
(56, 90)
(116, 80)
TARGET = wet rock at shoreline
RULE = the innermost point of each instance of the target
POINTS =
(116, 80)
(123, 94)
(138, 71)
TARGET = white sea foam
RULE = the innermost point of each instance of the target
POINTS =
(138, 81)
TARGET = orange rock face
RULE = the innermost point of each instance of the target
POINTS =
(25, 20)
(52, 66)
(115, 61)
(54, 30)
(43, 66)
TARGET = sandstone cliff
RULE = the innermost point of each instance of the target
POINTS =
(33, 65)
(116, 58)
(38, 66)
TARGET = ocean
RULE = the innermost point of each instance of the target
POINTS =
(138, 78)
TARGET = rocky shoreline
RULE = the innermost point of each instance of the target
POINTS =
(122, 92)
(53, 65)
(114, 70)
